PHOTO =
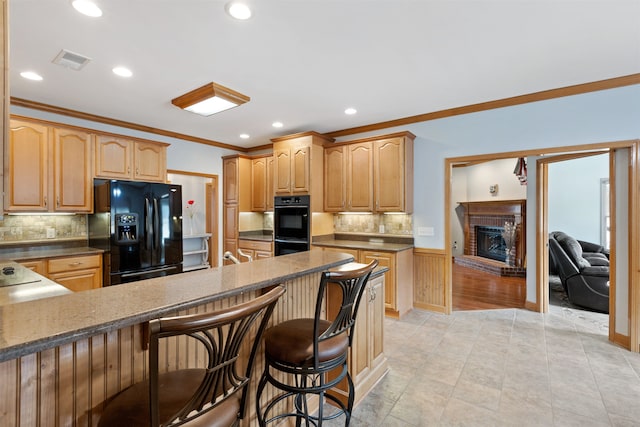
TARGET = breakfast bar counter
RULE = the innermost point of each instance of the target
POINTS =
(62, 357)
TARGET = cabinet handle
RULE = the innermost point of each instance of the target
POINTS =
(73, 264)
(45, 201)
(137, 171)
(128, 169)
(58, 201)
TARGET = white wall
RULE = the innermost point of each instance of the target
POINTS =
(574, 196)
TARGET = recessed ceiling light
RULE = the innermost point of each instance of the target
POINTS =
(238, 10)
(350, 111)
(31, 75)
(244, 135)
(277, 124)
(122, 72)
(87, 7)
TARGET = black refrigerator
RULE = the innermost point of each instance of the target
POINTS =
(139, 226)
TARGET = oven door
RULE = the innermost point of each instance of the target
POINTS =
(284, 247)
(291, 223)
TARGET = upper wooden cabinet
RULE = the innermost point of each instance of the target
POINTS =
(259, 184)
(269, 185)
(236, 194)
(393, 174)
(298, 166)
(48, 169)
(120, 158)
(335, 178)
(370, 175)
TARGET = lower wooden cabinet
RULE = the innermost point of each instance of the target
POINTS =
(398, 294)
(367, 361)
(77, 273)
(255, 249)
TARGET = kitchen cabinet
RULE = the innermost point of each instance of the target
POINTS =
(335, 178)
(260, 180)
(360, 177)
(393, 174)
(236, 189)
(49, 169)
(195, 251)
(376, 175)
(298, 166)
(76, 273)
(255, 248)
(367, 361)
(120, 158)
(398, 289)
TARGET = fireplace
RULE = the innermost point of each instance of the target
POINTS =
(489, 243)
(484, 247)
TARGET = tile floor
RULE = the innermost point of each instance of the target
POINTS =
(503, 368)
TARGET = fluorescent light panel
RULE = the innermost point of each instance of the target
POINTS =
(210, 99)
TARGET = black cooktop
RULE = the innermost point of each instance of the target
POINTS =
(15, 274)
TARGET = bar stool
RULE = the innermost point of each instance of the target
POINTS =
(300, 353)
(215, 396)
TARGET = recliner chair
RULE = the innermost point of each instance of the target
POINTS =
(584, 274)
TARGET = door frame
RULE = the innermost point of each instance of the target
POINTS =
(632, 341)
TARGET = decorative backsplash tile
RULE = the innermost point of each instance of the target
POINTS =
(34, 227)
(370, 223)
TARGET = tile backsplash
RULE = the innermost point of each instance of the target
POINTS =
(370, 223)
(34, 227)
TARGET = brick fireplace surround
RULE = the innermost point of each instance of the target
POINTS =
(494, 214)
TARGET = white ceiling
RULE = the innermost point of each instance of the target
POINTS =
(303, 62)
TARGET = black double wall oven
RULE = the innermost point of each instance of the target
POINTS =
(291, 222)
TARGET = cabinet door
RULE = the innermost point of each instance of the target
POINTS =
(376, 322)
(353, 252)
(259, 184)
(39, 266)
(300, 161)
(389, 175)
(335, 178)
(28, 167)
(385, 259)
(113, 157)
(150, 162)
(73, 187)
(230, 180)
(269, 184)
(262, 255)
(282, 171)
(360, 348)
(78, 280)
(360, 177)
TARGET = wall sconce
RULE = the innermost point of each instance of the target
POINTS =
(210, 99)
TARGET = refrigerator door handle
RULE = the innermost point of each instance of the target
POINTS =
(148, 225)
(156, 224)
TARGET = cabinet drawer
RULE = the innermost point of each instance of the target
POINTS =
(84, 262)
(255, 245)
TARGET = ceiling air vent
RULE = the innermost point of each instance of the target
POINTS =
(71, 60)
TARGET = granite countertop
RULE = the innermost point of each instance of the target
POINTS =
(32, 326)
(28, 253)
(362, 244)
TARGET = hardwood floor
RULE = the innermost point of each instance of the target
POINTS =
(477, 290)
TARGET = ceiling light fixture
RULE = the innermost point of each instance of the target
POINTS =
(31, 75)
(210, 99)
(87, 7)
(277, 124)
(122, 72)
(350, 111)
(238, 10)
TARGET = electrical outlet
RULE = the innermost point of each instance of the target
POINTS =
(51, 233)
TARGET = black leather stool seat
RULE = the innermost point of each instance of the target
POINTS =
(291, 343)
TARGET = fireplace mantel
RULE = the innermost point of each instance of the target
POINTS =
(494, 214)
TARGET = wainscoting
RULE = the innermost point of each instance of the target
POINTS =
(429, 273)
